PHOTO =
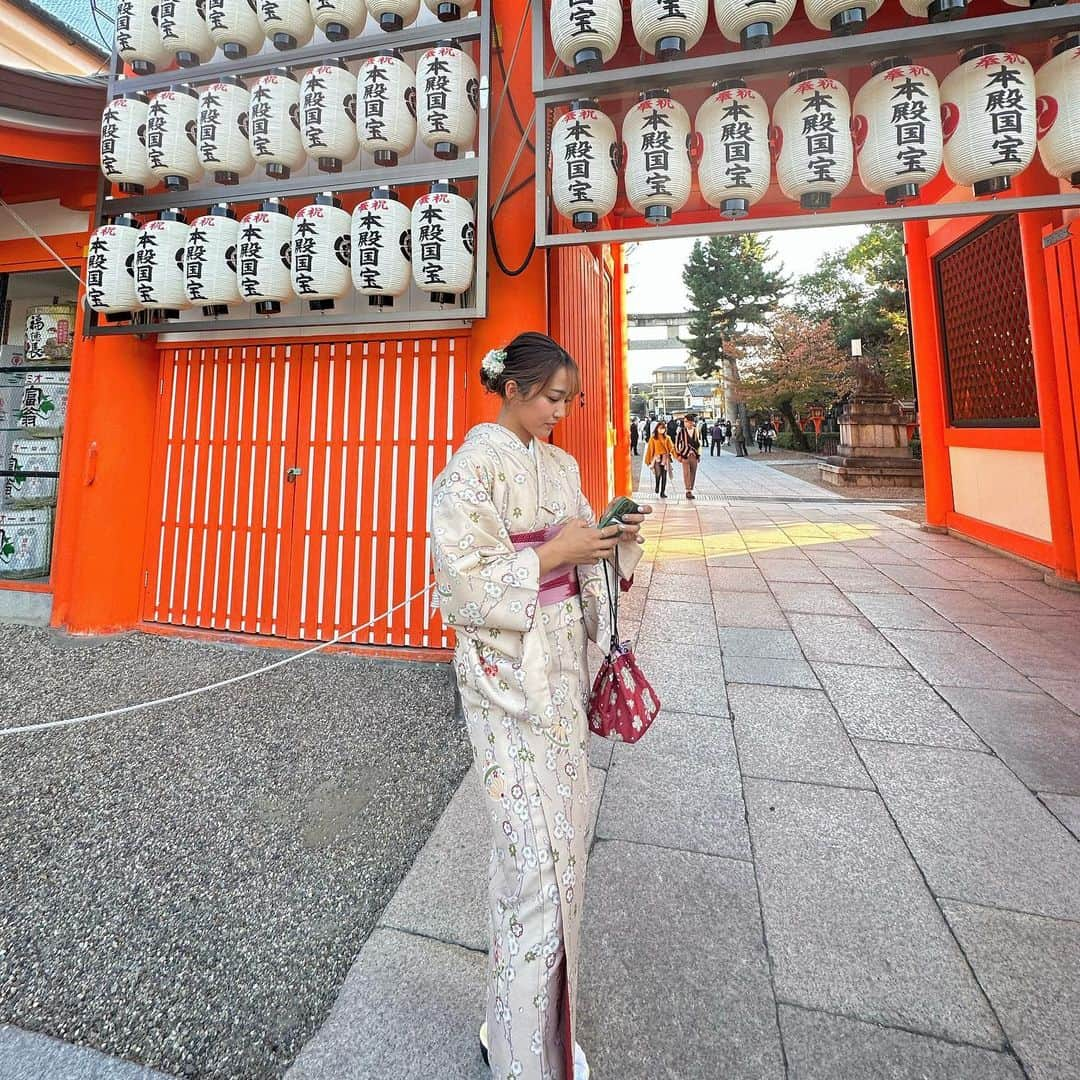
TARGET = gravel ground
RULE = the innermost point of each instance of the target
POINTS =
(187, 887)
(804, 466)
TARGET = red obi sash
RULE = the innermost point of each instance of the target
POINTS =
(560, 584)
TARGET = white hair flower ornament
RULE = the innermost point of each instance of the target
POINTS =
(494, 361)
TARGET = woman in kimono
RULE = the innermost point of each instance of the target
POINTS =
(520, 573)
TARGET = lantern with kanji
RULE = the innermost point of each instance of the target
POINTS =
(123, 143)
(171, 134)
(1058, 87)
(210, 261)
(223, 143)
(274, 124)
(584, 165)
(138, 39)
(328, 115)
(447, 99)
(988, 118)
(897, 129)
(184, 32)
(812, 137)
(287, 23)
(443, 243)
(264, 257)
(321, 239)
(732, 132)
(585, 34)
(110, 269)
(668, 29)
(386, 107)
(339, 19)
(394, 14)
(752, 25)
(234, 27)
(450, 10)
(840, 17)
(159, 264)
(382, 247)
(935, 10)
(1035, 3)
(656, 151)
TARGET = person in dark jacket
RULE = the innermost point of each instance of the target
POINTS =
(717, 439)
(633, 436)
(688, 451)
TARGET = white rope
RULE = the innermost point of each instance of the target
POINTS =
(217, 685)
(40, 239)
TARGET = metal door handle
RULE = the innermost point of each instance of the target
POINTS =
(292, 474)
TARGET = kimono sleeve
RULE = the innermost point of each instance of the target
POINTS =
(480, 580)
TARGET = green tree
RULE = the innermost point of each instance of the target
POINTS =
(728, 275)
(639, 405)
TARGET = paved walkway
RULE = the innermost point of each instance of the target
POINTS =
(843, 851)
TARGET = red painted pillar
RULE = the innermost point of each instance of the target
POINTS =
(930, 372)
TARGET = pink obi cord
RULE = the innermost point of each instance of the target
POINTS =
(560, 584)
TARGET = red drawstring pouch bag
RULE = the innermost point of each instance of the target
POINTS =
(622, 704)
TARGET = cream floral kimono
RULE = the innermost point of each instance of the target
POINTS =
(521, 669)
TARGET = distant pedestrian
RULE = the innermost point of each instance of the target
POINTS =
(703, 432)
(688, 451)
(659, 453)
(767, 434)
(740, 441)
(633, 437)
(647, 433)
(717, 439)
(727, 432)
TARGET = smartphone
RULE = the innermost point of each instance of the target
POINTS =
(617, 511)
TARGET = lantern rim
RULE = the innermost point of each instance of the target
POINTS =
(385, 158)
(721, 85)
(588, 60)
(887, 63)
(230, 80)
(443, 187)
(380, 300)
(226, 177)
(803, 74)
(982, 49)
(327, 198)
(578, 104)
(657, 214)
(445, 151)
(324, 304)
(273, 206)
(444, 298)
(336, 31)
(234, 50)
(1069, 41)
(654, 92)
(184, 88)
(585, 220)
(276, 171)
(992, 185)
(175, 182)
(187, 59)
(851, 20)
(671, 47)
(283, 72)
(132, 189)
(283, 42)
(447, 11)
(223, 210)
(756, 35)
(901, 193)
(267, 307)
(135, 95)
(815, 200)
(173, 214)
(387, 191)
(391, 21)
(143, 67)
(731, 209)
(329, 164)
(946, 10)
(212, 311)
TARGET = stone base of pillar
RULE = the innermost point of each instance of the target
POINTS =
(871, 472)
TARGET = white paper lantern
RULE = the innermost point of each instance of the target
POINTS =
(1035, 3)
(210, 261)
(668, 29)
(138, 39)
(159, 264)
(935, 10)
(656, 144)
(897, 129)
(1058, 87)
(584, 165)
(386, 107)
(110, 269)
(443, 243)
(394, 14)
(732, 129)
(328, 115)
(339, 19)
(123, 143)
(450, 10)
(585, 34)
(274, 124)
(184, 32)
(171, 133)
(287, 23)
(752, 25)
(841, 17)
(321, 241)
(812, 126)
(988, 115)
(264, 257)
(223, 145)
(447, 99)
(234, 27)
(382, 247)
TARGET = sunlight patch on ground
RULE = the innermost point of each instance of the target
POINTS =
(740, 542)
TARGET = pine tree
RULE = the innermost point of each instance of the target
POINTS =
(728, 275)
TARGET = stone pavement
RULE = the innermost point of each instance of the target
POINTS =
(847, 849)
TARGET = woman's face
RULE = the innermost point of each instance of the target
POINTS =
(543, 408)
(661, 428)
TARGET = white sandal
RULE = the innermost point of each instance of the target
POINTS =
(581, 1066)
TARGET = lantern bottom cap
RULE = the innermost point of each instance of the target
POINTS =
(670, 48)
(320, 305)
(657, 214)
(329, 164)
(588, 60)
(444, 298)
(118, 316)
(734, 208)
(132, 189)
(815, 200)
(586, 220)
(283, 42)
(168, 313)
(944, 10)
(386, 158)
(757, 35)
(993, 185)
(267, 307)
(901, 193)
(389, 22)
(336, 31)
(277, 171)
(213, 310)
(233, 50)
(226, 177)
(445, 151)
(381, 301)
(1075, 179)
(850, 21)
(176, 183)
(448, 12)
(188, 59)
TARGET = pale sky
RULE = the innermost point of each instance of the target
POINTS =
(655, 279)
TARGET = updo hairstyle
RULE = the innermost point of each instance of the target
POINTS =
(532, 361)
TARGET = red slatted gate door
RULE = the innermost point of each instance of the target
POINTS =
(291, 483)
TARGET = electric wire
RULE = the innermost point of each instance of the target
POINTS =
(39, 238)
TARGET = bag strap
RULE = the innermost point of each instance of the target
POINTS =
(613, 602)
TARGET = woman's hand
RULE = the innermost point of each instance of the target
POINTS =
(578, 544)
(632, 523)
